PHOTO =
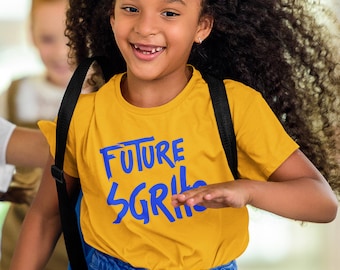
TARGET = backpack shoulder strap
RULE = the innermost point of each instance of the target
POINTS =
(67, 107)
(68, 215)
(224, 121)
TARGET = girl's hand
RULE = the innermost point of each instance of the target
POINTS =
(295, 190)
(227, 194)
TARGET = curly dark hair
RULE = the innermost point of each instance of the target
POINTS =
(277, 47)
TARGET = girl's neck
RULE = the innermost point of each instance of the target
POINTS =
(154, 93)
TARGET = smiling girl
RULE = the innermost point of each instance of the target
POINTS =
(157, 189)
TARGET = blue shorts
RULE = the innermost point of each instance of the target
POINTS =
(97, 260)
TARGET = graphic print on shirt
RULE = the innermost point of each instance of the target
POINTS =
(140, 155)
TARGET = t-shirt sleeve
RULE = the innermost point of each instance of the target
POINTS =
(79, 123)
(48, 128)
(262, 142)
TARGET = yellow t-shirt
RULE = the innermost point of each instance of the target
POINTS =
(130, 161)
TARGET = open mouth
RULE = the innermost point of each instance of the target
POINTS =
(147, 50)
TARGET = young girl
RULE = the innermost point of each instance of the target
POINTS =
(157, 189)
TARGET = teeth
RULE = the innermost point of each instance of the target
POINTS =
(154, 50)
(158, 49)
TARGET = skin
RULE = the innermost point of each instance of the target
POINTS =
(27, 147)
(48, 26)
(295, 190)
(41, 226)
(168, 26)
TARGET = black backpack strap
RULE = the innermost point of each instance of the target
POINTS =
(224, 121)
(68, 215)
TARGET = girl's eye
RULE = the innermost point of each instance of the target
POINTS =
(170, 14)
(130, 9)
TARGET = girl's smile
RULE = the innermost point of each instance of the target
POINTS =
(155, 37)
(147, 52)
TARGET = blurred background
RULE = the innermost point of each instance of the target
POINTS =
(275, 244)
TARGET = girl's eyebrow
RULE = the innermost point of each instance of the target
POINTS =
(174, 1)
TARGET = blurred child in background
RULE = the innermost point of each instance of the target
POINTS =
(30, 99)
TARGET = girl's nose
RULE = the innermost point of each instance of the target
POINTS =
(146, 25)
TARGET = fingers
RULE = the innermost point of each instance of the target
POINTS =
(227, 194)
(197, 196)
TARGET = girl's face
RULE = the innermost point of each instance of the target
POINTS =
(48, 25)
(155, 36)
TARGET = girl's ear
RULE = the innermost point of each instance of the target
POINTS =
(204, 28)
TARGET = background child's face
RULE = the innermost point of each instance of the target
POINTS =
(48, 25)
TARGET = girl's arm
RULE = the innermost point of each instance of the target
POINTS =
(295, 190)
(41, 227)
(27, 147)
